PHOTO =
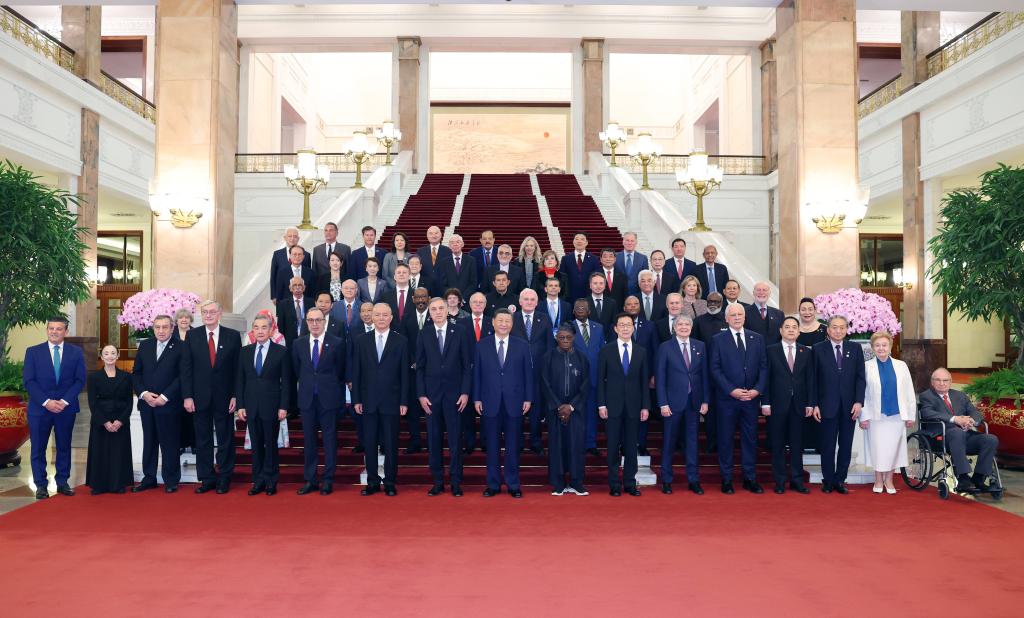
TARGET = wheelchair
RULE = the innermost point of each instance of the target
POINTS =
(930, 462)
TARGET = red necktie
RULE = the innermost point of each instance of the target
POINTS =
(948, 404)
(579, 262)
(657, 283)
(213, 349)
(609, 278)
(401, 304)
(764, 310)
(476, 327)
(679, 269)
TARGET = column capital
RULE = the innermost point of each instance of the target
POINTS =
(409, 48)
(593, 50)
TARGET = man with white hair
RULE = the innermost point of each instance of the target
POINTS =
(535, 327)
(457, 270)
(516, 277)
(279, 259)
(631, 262)
(762, 319)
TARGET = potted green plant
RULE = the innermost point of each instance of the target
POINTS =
(41, 271)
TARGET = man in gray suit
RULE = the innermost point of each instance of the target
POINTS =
(323, 251)
(942, 403)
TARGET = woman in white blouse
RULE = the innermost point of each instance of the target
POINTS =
(890, 406)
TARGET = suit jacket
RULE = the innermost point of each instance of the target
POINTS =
(563, 312)
(609, 309)
(664, 328)
(284, 276)
(768, 327)
(264, 394)
(624, 394)
(708, 325)
(680, 387)
(788, 389)
(667, 280)
(478, 258)
(734, 369)
(486, 327)
(424, 280)
(339, 311)
(160, 377)
(579, 278)
(391, 298)
(905, 393)
(335, 327)
(381, 386)
(465, 279)
(617, 289)
(277, 260)
(288, 324)
(357, 263)
(325, 381)
(721, 276)
(210, 387)
(428, 266)
(321, 264)
(41, 381)
(444, 376)
(511, 384)
(835, 391)
(933, 408)
(531, 272)
(516, 279)
(501, 301)
(645, 334)
(658, 309)
(671, 281)
(364, 290)
(540, 340)
(540, 279)
(639, 263)
(592, 351)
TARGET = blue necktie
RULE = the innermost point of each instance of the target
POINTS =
(440, 341)
(501, 354)
(259, 360)
(56, 362)
(625, 358)
(528, 322)
(316, 353)
(712, 287)
(380, 347)
(629, 264)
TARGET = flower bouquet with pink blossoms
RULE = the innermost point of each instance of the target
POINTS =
(867, 312)
(140, 309)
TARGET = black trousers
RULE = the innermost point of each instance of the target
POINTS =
(263, 430)
(566, 452)
(469, 428)
(786, 425)
(622, 432)
(445, 416)
(744, 415)
(836, 446)
(206, 422)
(414, 417)
(381, 431)
(315, 418)
(963, 443)
(160, 437)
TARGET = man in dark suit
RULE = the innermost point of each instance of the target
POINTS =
(589, 341)
(558, 311)
(411, 326)
(476, 327)
(731, 294)
(740, 370)
(483, 256)
(762, 319)
(399, 298)
(603, 308)
(711, 275)
(297, 267)
(786, 403)
(615, 279)
(681, 379)
(323, 252)
(290, 321)
(501, 295)
(623, 401)
(659, 273)
(502, 394)
(665, 325)
(942, 403)
(318, 361)
(279, 260)
(332, 326)
(363, 325)
(837, 397)
(346, 310)
(535, 328)
(565, 381)
(380, 386)
(444, 381)
(677, 268)
(420, 279)
(156, 378)
(261, 394)
(209, 367)
(516, 277)
(651, 302)
(644, 335)
(577, 267)
(433, 253)
(457, 270)
(54, 375)
(631, 262)
(357, 266)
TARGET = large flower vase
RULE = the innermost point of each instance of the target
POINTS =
(13, 427)
(1006, 422)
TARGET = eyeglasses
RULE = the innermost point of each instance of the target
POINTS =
(314, 320)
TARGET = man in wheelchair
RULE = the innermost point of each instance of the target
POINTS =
(961, 418)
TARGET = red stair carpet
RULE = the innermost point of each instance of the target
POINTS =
(433, 204)
(155, 554)
(572, 211)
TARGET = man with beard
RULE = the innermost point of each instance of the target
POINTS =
(705, 328)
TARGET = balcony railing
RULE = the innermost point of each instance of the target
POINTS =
(273, 163)
(127, 97)
(669, 163)
(971, 40)
(879, 97)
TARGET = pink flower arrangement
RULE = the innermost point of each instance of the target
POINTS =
(867, 312)
(140, 309)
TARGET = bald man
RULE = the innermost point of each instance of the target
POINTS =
(762, 319)
(433, 253)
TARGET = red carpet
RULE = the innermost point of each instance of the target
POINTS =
(345, 555)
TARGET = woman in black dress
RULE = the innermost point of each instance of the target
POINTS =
(109, 464)
(811, 332)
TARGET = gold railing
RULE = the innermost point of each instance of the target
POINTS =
(879, 97)
(28, 33)
(127, 97)
(668, 164)
(970, 41)
(273, 163)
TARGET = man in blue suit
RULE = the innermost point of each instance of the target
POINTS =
(557, 309)
(681, 376)
(577, 267)
(502, 393)
(157, 382)
(54, 375)
(318, 362)
(837, 396)
(444, 380)
(279, 259)
(589, 341)
(740, 369)
(357, 269)
(346, 310)
(483, 257)
(534, 327)
(711, 275)
(630, 262)
(677, 267)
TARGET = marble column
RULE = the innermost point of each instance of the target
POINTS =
(769, 107)
(86, 326)
(919, 32)
(409, 93)
(816, 55)
(593, 96)
(196, 137)
(80, 30)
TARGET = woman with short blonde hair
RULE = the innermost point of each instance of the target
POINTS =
(890, 407)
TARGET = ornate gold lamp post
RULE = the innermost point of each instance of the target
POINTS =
(388, 135)
(643, 152)
(613, 137)
(307, 177)
(359, 151)
(699, 179)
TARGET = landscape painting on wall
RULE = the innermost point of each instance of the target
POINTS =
(499, 139)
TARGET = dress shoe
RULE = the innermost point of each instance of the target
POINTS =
(307, 488)
(780, 488)
(752, 486)
(257, 488)
(727, 488)
(143, 486)
(205, 487)
(326, 489)
(170, 488)
(594, 452)
(457, 491)
(42, 494)
(390, 490)
(557, 491)
(890, 490)
(271, 490)
(696, 488)
(436, 490)
(579, 491)
(615, 491)
(223, 489)
(799, 487)
(841, 488)
(633, 491)
(643, 451)
(369, 490)
(979, 481)
(358, 449)
(876, 489)
(515, 493)
(666, 488)
(826, 488)
(65, 490)
(490, 493)
(964, 485)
